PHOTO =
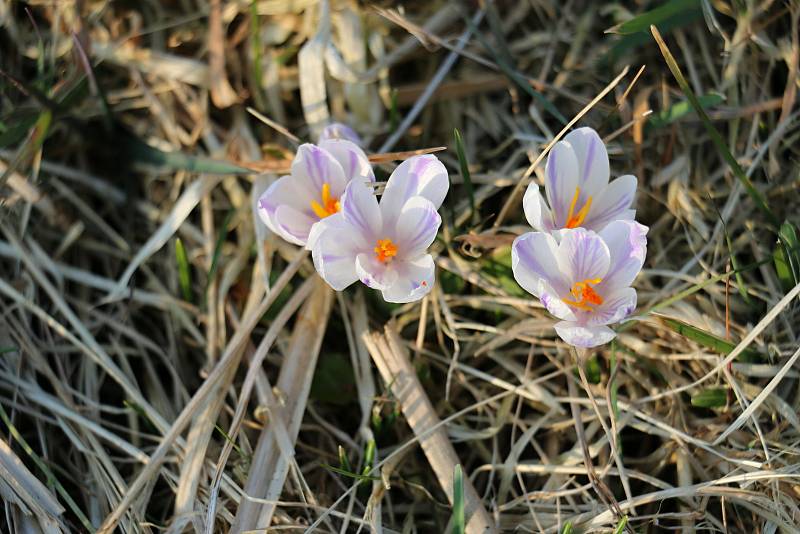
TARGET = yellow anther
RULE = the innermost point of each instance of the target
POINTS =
(329, 206)
(585, 295)
(386, 250)
(574, 221)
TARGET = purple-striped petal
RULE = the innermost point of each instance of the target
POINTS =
(334, 251)
(374, 273)
(616, 306)
(536, 211)
(534, 260)
(612, 204)
(360, 209)
(352, 159)
(627, 246)
(592, 157)
(582, 336)
(423, 176)
(313, 167)
(416, 227)
(337, 130)
(414, 280)
(583, 255)
(561, 179)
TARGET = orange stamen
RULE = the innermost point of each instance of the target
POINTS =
(386, 250)
(329, 206)
(585, 295)
(574, 221)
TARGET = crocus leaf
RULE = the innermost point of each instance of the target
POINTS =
(710, 398)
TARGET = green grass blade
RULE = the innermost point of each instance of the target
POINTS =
(789, 247)
(348, 473)
(568, 528)
(141, 152)
(256, 49)
(459, 523)
(463, 164)
(621, 525)
(223, 235)
(710, 398)
(679, 110)
(184, 274)
(716, 138)
(710, 340)
(659, 15)
(51, 477)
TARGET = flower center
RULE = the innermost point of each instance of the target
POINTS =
(574, 220)
(386, 250)
(585, 295)
(329, 206)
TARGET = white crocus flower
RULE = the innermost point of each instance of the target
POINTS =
(584, 279)
(337, 130)
(577, 188)
(320, 173)
(385, 245)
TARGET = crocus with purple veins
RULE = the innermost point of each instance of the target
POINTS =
(293, 204)
(385, 244)
(337, 130)
(577, 188)
(584, 279)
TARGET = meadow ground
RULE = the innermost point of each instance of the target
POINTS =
(167, 364)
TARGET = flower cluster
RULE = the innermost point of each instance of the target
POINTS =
(328, 205)
(580, 261)
(587, 249)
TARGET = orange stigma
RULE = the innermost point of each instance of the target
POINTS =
(585, 295)
(329, 206)
(574, 220)
(386, 250)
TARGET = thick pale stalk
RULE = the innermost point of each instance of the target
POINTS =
(392, 361)
(270, 463)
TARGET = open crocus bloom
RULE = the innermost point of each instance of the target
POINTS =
(385, 245)
(577, 188)
(584, 279)
(313, 190)
(337, 130)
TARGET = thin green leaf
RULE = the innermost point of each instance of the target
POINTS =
(710, 340)
(369, 456)
(789, 246)
(716, 138)
(459, 523)
(463, 164)
(141, 152)
(344, 462)
(681, 109)
(51, 477)
(184, 275)
(593, 371)
(568, 528)
(348, 473)
(710, 398)
(659, 15)
(6, 350)
(621, 525)
(255, 52)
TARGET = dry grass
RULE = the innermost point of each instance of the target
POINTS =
(167, 365)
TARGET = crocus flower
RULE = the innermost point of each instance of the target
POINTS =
(337, 130)
(584, 279)
(320, 173)
(577, 188)
(385, 245)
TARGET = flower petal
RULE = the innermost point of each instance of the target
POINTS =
(582, 255)
(582, 336)
(554, 304)
(415, 279)
(337, 130)
(534, 260)
(590, 151)
(374, 273)
(360, 208)
(352, 159)
(416, 227)
(536, 211)
(313, 166)
(293, 225)
(612, 203)
(615, 307)
(561, 179)
(423, 176)
(627, 246)
(335, 250)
